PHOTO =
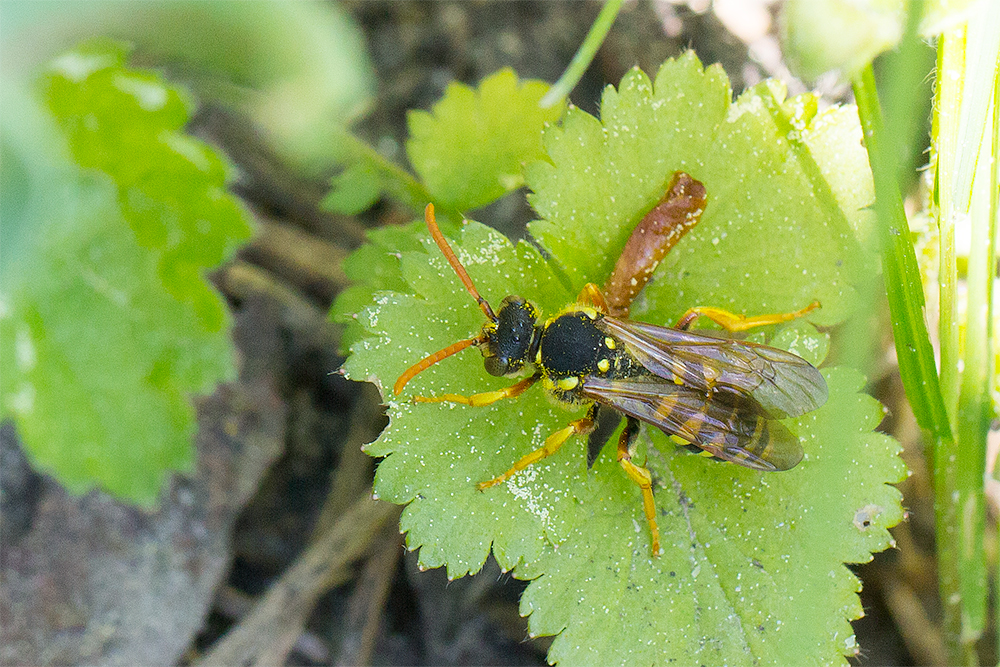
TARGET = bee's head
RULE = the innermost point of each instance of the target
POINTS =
(507, 341)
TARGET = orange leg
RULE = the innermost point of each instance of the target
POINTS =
(591, 294)
(641, 476)
(733, 322)
(485, 398)
(550, 447)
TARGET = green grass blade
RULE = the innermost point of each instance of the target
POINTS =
(981, 64)
(948, 103)
(962, 135)
(899, 266)
(974, 410)
(974, 191)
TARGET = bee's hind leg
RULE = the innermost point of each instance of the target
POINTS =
(641, 476)
(734, 322)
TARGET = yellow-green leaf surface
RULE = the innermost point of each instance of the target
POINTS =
(752, 570)
(470, 149)
(777, 232)
(108, 324)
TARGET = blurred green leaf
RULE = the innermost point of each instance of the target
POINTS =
(107, 323)
(299, 70)
(845, 35)
(353, 190)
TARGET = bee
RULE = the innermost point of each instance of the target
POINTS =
(718, 395)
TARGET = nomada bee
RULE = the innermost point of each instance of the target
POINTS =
(720, 395)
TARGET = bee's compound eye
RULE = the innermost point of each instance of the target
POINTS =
(500, 366)
(496, 366)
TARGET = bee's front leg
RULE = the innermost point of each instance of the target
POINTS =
(485, 398)
(591, 294)
(550, 447)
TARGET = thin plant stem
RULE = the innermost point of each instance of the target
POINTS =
(584, 55)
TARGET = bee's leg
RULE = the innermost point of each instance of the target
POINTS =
(485, 398)
(591, 294)
(659, 230)
(733, 322)
(550, 447)
(641, 476)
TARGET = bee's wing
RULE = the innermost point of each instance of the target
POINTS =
(784, 384)
(729, 426)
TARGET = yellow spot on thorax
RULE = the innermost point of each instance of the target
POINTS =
(568, 383)
(588, 311)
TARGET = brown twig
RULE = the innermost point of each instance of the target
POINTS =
(311, 263)
(269, 182)
(352, 476)
(240, 280)
(922, 637)
(266, 634)
(364, 615)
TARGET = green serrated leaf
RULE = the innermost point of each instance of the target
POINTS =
(776, 233)
(471, 148)
(107, 330)
(756, 559)
(446, 449)
(803, 339)
(559, 520)
(753, 569)
(371, 268)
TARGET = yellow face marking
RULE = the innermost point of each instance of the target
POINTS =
(609, 342)
(603, 365)
(568, 383)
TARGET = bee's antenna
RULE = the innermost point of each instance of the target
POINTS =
(430, 360)
(455, 264)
